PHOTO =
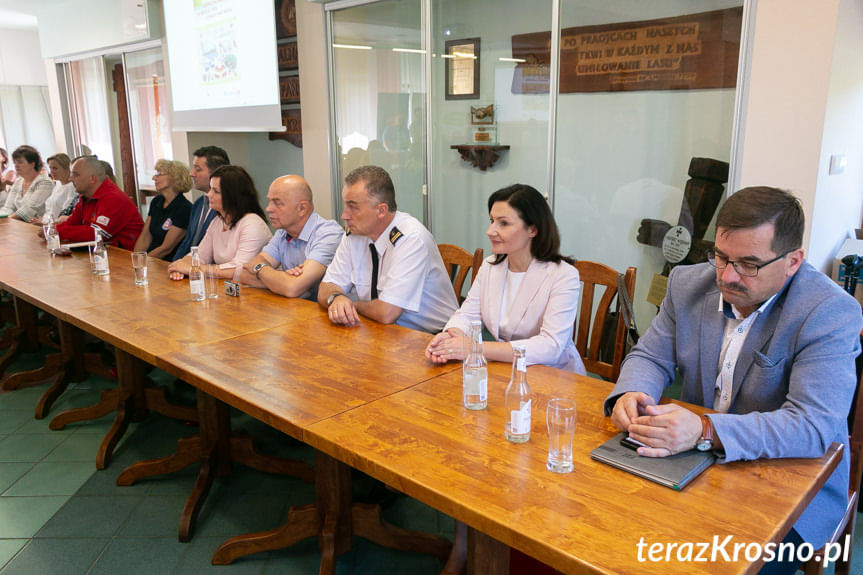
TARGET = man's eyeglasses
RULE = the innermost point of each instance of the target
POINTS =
(746, 269)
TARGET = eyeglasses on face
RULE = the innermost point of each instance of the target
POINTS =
(746, 269)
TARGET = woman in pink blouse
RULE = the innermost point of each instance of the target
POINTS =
(237, 235)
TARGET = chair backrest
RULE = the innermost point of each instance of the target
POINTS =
(589, 333)
(458, 262)
(855, 430)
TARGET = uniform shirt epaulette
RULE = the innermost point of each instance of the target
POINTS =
(395, 234)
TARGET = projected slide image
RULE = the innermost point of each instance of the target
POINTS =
(222, 56)
(218, 53)
(216, 28)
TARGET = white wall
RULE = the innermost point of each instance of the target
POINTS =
(315, 116)
(790, 75)
(21, 61)
(838, 198)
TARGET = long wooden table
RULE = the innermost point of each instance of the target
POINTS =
(425, 443)
(365, 398)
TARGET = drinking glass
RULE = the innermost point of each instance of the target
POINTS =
(560, 419)
(139, 265)
(210, 274)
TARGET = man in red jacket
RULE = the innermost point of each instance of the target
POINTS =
(103, 207)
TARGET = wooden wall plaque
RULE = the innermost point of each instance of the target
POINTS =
(292, 120)
(286, 18)
(289, 89)
(288, 56)
(695, 51)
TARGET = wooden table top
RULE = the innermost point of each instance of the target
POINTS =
(425, 443)
(306, 369)
(18, 237)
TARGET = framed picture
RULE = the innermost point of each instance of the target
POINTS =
(461, 61)
(482, 115)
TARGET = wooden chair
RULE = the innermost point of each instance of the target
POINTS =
(589, 333)
(457, 262)
(815, 566)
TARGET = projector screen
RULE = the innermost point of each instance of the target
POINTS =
(222, 60)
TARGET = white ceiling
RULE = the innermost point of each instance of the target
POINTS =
(16, 20)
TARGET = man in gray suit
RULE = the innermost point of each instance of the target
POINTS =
(761, 337)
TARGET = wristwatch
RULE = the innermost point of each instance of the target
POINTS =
(259, 267)
(333, 297)
(705, 442)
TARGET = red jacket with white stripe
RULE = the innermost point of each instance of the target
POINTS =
(110, 211)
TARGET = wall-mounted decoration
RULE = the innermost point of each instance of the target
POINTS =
(286, 18)
(461, 62)
(695, 51)
(289, 89)
(482, 115)
(292, 121)
(288, 56)
(482, 157)
(289, 65)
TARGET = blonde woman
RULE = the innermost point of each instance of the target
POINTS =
(168, 218)
(59, 167)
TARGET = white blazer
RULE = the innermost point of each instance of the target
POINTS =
(542, 315)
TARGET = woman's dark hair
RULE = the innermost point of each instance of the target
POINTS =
(239, 196)
(534, 211)
(30, 155)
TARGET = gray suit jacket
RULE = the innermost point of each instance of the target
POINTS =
(793, 383)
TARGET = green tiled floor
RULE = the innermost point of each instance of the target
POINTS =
(59, 515)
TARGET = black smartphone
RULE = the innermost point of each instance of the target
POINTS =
(630, 443)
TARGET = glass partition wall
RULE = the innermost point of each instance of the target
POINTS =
(378, 92)
(605, 126)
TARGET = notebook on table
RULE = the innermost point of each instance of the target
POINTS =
(674, 471)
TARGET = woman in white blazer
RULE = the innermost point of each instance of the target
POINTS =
(525, 293)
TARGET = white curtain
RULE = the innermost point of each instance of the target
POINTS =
(91, 107)
(25, 118)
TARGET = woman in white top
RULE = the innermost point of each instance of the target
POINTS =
(237, 234)
(26, 197)
(525, 293)
(64, 189)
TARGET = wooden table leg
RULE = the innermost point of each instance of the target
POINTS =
(455, 564)
(214, 448)
(486, 555)
(338, 520)
(132, 401)
(23, 338)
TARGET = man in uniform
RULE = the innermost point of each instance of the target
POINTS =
(303, 245)
(765, 340)
(205, 160)
(388, 267)
(103, 207)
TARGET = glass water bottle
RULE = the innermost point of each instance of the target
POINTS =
(518, 399)
(196, 277)
(474, 371)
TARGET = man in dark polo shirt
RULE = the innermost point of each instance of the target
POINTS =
(103, 207)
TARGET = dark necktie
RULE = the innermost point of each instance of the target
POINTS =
(374, 271)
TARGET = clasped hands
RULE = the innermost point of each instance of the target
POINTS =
(179, 269)
(451, 344)
(666, 429)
